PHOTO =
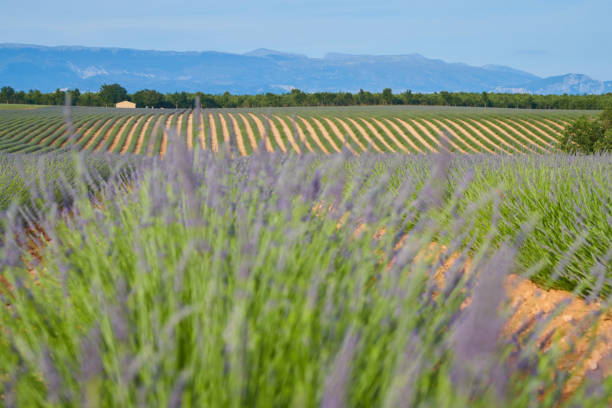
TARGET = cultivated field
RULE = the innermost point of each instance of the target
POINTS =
(305, 280)
(168, 275)
(414, 130)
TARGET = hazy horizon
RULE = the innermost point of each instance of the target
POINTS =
(546, 38)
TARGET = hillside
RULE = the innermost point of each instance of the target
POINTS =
(27, 67)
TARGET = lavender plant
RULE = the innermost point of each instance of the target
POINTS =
(217, 280)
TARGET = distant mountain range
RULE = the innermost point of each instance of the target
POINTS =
(27, 67)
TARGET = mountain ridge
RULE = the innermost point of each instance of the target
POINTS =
(27, 66)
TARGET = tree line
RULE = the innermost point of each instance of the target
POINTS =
(109, 94)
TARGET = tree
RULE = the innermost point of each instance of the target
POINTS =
(111, 94)
(6, 94)
(486, 102)
(58, 97)
(588, 135)
(148, 97)
(387, 96)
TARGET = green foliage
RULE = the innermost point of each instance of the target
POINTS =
(217, 282)
(588, 135)
(148, 98)
(111, 94)
(297, 98)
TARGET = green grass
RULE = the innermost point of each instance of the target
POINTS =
(19, 106)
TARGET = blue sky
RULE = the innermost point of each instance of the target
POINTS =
(545, 37)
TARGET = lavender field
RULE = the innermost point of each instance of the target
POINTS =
(300, 280)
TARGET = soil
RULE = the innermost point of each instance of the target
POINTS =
(128, 142)
(95, 136)
(330, 139)
(289, 133)
(250, 133)
(482, 136)
(225, 130)
(390, 135)
(201, 132)
(277, 135)
(401, 133)
(340, 136)
(238, 134)
(190, 130)
(363, 133)
(262, 132)
(352, 134)
(443, 135)
(528, 132)
(214, 138)
(416, 134)
(582, 330)
(313, 135)
(378, 136)
(113, 145)
(107, 135)
(471, 138)
(508, 135)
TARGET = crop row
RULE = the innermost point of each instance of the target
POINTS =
(286, 130)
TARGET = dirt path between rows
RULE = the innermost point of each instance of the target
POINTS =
(164, 141)
(329, 138)
(190, 130)
(313, 135)
(557, 125)
(350, 133)
(301, 134)
(378, 136)
(85, 134)
(110, 132)
(250, 133)
(340, 136)
(466, 135)
(97, 134)
(493, 135)
(528, 125)
(55, 136)
(128, 141)
(225, 131)
(152, 136)
(200, 131)
(442, 130)
(391, 136)
(289, 133)
(179, 124)
(508, 135)
(510, 122)
(553, 131)
(402, 134)
(481, 135)
(427, 133)
(238, 135)
(134, 120)
(361, 131)
(214, 138)
(277, 136)
(413, 132)
(262, 132)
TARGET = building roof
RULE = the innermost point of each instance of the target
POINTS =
(125, 104)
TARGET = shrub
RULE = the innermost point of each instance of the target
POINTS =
(588, 135)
